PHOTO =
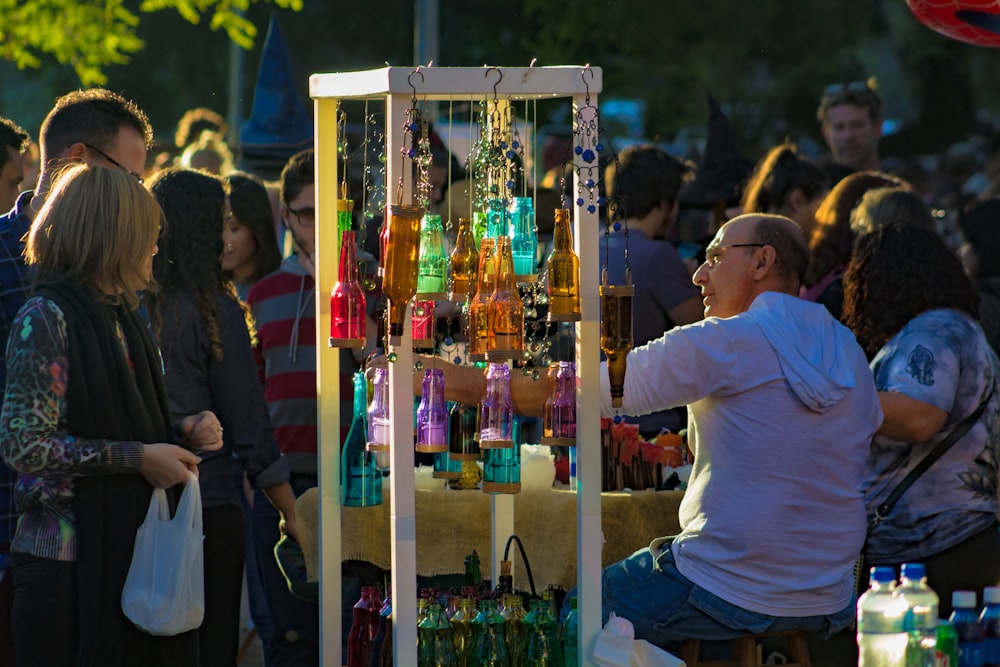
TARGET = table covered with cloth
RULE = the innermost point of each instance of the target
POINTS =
(450, 524)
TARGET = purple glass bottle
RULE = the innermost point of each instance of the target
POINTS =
(564, 404)
(496, 412)
(378, 419)
(432, 414)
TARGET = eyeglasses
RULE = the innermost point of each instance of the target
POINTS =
(306, 215)
(115, 162)
(713, 254)
(850, 87)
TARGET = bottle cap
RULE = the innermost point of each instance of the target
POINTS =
(991, 595)
(963, 599)
(913, 571)
(882, 574)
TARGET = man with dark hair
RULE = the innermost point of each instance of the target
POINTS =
(95, 126)
(14, 143)
(644, 184)
(850, 118)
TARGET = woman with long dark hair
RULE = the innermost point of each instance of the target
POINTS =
(86, 426)
(209, 363)
(913, 310)
(249, 241)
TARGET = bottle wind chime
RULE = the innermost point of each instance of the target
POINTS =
(347, 298)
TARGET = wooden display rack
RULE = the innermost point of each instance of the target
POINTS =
(396, 87)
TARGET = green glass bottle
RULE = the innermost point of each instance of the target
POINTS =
(360, 479)
(491, 644)
(542, 648)
(461, 625)
(432, 272)
(514, 630)
(570, 636)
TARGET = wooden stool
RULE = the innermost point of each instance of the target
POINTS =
(746, 652)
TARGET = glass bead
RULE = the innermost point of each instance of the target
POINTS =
(413, 127)
(449, 340)
(511, 155)
(419, 365)
(503, 145)
(457, 360)
(368, 284)
(618, 419)
(578, 150)
(579, 201)
(530, 313)
(591, 208)
(546, 360)
(534, 375)
(601, 201)
(617, 226)
(543, 299)
(599, 147)
(588, 155)
(392, 357)
(510, 184)
(528, 301)
(516, 144)
(411, 153)
(590, 183)
(419, 311)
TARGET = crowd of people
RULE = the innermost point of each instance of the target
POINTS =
(816, 339)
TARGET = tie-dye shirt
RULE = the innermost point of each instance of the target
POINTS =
(33, 437)
(942, 358)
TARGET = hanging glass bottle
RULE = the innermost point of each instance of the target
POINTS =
(422, 324)
(514, 629)
(505, 335)
(360, 480)
(379, 426)
(491, 645)
(486, 281)
(433, 262)
(524, 240)
(479, 226)
(616, 333)
(432, 414)
(542, 648)
(462, 263)
(463, 443)
(347, 299)
(550, 399)
(563, 407)
(399, 281)
(496, 412)
(563, 268)
(345, 209)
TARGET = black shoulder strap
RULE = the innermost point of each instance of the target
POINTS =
(957, 432)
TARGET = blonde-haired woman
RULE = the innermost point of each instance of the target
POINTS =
(85, 424)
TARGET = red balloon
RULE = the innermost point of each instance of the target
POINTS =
(973, 21)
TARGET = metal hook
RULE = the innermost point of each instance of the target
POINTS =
(583, 77)
(409, 80)
(498, 71)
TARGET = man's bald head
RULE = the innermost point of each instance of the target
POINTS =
(789, 245)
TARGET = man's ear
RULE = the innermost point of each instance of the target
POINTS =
(76, 152)
(765, 264)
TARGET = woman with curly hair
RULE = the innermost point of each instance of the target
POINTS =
(832, 238)
(913, 310)
(209, 362)
(785, 183)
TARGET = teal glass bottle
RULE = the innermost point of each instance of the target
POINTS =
(497, 222)
(523, 238)
(360, 479)
(542, 648)
(491, 644)
(570, 635)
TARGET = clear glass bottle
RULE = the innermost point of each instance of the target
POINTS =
(360, 479)
(486, 282)
(432, 414)
(462, 263)
(550, 399)
(524, 239)
(379, 426)
(400, 262)
(432, 269)
(347, 299)
(563, 269)
(505, 333)
(564, 404)
(921, 615)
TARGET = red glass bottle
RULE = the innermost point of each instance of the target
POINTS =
(364, 626)
(347, 300)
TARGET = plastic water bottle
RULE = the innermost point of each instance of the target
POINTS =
(970, 633)
(989, 619)
(921, 616)
(881, 636)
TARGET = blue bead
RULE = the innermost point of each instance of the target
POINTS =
(411, 153)
(601, 201)
(511, 155)
(599, 147)
(617, 226)
(589, 156)
(590, 183)
(591, 208)
(449, 340)
(579, 201)
(413, 127)
(516, 144)
(458, 360)
(578, 150)
(503, 145)
(618, 419)
(510, 185)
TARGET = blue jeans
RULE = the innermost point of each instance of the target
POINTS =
(666, 608)
(295, 622)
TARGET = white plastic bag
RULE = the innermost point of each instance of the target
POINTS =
(617, 646)
(164, 591)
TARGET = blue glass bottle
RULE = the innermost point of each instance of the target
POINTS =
(523, 238)
(989, 618)
(360, 479)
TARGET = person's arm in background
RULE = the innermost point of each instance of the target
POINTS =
(909, 420)
(467, 384)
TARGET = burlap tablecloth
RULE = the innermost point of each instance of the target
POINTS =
(450, 524)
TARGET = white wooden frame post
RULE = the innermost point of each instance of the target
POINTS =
(393, 85)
